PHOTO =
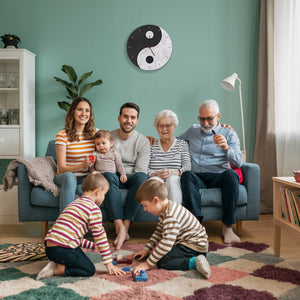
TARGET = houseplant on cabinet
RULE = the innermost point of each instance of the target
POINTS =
(75, 88)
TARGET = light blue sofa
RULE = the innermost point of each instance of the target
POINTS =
(35, 204)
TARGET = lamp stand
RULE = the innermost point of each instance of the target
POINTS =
(243, 127)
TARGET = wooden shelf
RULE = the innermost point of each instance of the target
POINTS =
(278, 221)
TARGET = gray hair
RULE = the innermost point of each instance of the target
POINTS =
(166, 114)
(211, 104)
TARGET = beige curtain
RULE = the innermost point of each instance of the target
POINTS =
(265, 147)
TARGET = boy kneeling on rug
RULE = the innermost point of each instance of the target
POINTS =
(65, 237)
(179, 241)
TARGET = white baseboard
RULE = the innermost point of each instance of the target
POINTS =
(9, 206)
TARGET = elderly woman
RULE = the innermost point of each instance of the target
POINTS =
(169, 156)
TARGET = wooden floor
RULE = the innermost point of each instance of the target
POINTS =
(260, 231)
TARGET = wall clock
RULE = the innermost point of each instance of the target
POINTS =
(149, 47)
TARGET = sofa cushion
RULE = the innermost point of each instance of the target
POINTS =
(213, 197)
(40, 197)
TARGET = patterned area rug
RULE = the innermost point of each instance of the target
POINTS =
(241, 271)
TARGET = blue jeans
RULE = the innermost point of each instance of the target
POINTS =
(68, 188)
(177, 258)
(113, 199)
(76, 263)
(228, 181)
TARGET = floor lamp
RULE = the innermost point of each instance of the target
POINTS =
(228, 84)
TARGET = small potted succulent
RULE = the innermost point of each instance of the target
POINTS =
(74, 88)
(10, 40)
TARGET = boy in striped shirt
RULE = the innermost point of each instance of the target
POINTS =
(179, 241)
(66, 236)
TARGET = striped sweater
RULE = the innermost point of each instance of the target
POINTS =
(76, 151)
(176, 158)
(176, 226)
(75, 221)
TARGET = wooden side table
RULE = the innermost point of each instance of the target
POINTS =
(278, 221)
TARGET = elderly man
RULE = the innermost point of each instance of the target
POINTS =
(213, 150)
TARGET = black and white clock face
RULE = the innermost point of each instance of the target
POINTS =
(149, 47)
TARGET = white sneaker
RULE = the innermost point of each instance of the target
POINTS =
(202, 266)
(47, 271)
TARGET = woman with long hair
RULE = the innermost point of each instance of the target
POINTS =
(73, 145)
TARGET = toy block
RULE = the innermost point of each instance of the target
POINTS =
(142, 277)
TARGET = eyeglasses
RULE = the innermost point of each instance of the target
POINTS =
(167, 126)
(208, 119)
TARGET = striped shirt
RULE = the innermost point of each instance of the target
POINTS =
(176, 226)
(177, 157)
(76, 151)
(74, 222)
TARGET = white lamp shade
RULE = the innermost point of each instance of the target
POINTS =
(228, 83)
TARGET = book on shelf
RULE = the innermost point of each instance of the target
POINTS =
(294, 215)
(290, 205)
(296, 199)
(284, 209)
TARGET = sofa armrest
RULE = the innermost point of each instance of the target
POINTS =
(251, 173)
(24, 193)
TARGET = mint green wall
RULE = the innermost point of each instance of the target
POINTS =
(211, 40)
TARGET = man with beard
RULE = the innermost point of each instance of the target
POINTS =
(214, 149)
(134, 149)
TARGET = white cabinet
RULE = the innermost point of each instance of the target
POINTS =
(17, 104)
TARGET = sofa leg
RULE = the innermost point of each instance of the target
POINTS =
(239, 229)
(44, 229)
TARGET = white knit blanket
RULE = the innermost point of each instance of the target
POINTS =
(41, 171)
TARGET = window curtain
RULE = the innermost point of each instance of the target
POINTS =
(287, 85)
(265, 150)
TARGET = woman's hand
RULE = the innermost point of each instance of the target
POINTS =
(113, 270)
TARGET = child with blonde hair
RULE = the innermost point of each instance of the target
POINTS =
(107, 159)
(179, 241)
(66, 237)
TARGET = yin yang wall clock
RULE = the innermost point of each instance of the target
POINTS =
(149, 47)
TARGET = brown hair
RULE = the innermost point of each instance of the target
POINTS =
(94, 181)
(149, 189)
(70, 122)
(130, 105)
(103, 134)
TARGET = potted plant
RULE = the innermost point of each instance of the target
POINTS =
(75, 88)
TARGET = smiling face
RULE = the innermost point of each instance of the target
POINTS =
(128, 119)
(208, 118)
(166, 128)
(103, 145)
(82, 113)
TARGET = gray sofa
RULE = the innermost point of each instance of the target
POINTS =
(35, 204)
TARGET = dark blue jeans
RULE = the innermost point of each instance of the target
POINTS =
(113, 198)
(76, 263)
(178, 258)
(228, 181)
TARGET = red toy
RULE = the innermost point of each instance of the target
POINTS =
(92, 158)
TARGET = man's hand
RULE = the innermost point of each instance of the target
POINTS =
(151, 140)
(221, 141)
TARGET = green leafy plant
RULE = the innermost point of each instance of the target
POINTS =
(74, 88)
